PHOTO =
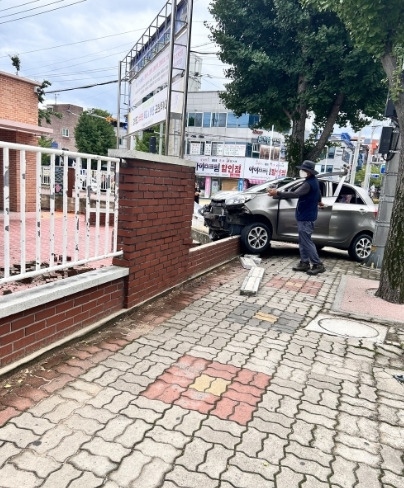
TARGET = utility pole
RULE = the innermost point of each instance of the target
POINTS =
(355, 160)
(386, 201)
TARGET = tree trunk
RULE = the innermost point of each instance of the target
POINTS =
(296, 143)
(328, 128)
(391, 286)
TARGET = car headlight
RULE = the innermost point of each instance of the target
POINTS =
(238, 199)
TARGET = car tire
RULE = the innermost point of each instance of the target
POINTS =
(256, 238)
(360, 247)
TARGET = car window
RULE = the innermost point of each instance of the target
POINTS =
(348, 195)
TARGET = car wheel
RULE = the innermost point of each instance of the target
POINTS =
(360, 247)
(256, 238)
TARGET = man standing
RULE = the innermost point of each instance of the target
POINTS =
(309, 199)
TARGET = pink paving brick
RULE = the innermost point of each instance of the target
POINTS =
(237, 402)
(7, 414)
(216, 373)
(180, 380)
(261, 380)
(196, 405)
(245, 389)
(225, 407)
(182, 372)
(241, 397)
(224, 367)
(200, 396)
(245, 376)
(243, 413)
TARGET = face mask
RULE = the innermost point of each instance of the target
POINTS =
(302, 174)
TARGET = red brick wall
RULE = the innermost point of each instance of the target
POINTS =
(19, 102)
(29, 331)
(155, 215)
(155, 211)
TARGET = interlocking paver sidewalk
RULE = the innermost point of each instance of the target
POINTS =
(210, 388)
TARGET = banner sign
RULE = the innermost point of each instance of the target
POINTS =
(247, 168)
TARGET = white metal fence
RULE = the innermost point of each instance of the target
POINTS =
(73, 228)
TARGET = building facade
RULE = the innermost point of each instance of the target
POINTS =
(229, 151)
(19, 124)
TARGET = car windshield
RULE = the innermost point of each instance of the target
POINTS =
(263, 186)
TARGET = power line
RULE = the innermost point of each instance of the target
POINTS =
(16, 6)
(40, 13)
(82, 87)
(74, 43)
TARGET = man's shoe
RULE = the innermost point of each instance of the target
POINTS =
(316, 269)
(301, 266)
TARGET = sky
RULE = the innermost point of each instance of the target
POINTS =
(76, 43)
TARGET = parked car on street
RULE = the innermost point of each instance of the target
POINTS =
(346, 221)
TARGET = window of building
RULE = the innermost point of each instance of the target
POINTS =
(65, 132)
(253, 120)
(206, 119)
(217, 148)
(195, 119)
(234, 122)
(219, 119)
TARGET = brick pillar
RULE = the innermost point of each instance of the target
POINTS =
(155, 213)
(14, 174)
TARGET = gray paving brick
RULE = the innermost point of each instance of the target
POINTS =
(299, 464)
(251, 442)
(390, 479)
(287, 477)
(130, 469)
(46, 405)
(392, 435)
(185, 479)
(99, 465)
(7, 450)
(119, 402)
(163, 450)
(216, 461)
(20, 437)
(63, 477)
(165, 436)
(273, 449)
(68, 446)
(217, 437)
(243, 479)
(87, 480)
(104, 397)
(357, 455)
(40, 465)
(194, 454)
(114, 427)
(99, 447)
(62, 411)
(50, 439)
(133, 433)
(27, 421)
(302, 432)
(368, 477)
(392, 459)
(343, 472)
(217, 424)
(11, 477)
(88, 426)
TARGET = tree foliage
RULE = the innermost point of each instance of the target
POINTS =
(93, 134)
(143, 143)
(378, 27)
(287, 61)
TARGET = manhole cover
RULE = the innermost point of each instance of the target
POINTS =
(343, 327)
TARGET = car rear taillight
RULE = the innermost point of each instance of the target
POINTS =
(376, 211)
